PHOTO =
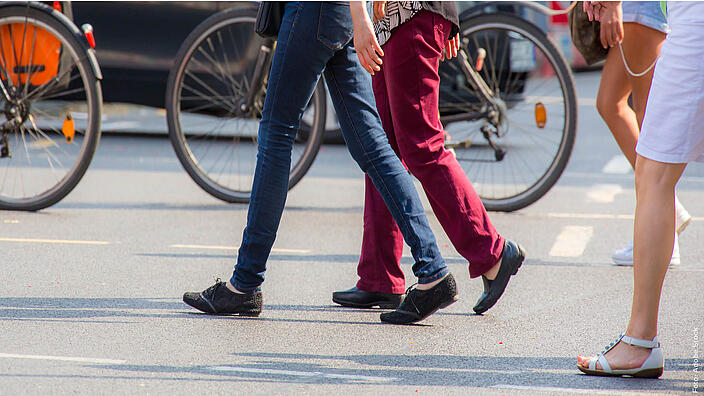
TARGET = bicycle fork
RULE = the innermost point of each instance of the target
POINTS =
(494, 110)
(261, 69)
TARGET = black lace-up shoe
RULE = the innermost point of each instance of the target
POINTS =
(219, 300)
(511, 260)
(419, 304)
(356, 298)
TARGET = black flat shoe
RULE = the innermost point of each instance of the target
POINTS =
(512, 258)
(219, 300)
(419, 304)
(355, 298)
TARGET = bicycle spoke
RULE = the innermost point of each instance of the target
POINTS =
(522, 75)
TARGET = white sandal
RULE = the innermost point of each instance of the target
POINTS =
(651, 368)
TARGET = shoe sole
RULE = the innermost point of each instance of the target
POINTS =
(248, 314)
(624, 263)
(647, 373)
(380, 304)
(523, 258)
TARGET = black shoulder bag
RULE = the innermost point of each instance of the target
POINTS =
(269, 18)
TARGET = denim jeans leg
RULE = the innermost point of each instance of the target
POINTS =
(295, 71)
(351, 90)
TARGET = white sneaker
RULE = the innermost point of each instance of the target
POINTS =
(682, 217)
(624, 256)
(675, 259)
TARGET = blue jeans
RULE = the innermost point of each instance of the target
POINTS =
(316, 37)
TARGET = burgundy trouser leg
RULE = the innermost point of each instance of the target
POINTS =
(382, 243)
(407, 91)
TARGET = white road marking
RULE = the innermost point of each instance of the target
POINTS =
(604, 193)
(119, 125)
(582, 216)
(628, 177)
(60, 241)
(589, 216)
(558, 100)
(562, 390)
(301, 373)
(62, 358)
(571, 241)
(617, 165)
(216, 247)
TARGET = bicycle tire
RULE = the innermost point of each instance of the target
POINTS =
(88, 136)
(312, 138)
(512, 23)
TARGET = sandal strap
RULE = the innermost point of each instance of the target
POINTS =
(603, 362)
(642, 343)
(613, 344)
(601, 358)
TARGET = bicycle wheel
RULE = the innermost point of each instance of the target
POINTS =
(537, 105)
(52, 105)
(215, 140)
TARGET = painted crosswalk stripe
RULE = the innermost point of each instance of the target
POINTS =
(617, 165)
(59, 241)
(216, 247)
(301, 373)
(604, 193)
(62, 358)
(571, 241)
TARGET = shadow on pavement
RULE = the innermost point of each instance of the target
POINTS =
(323, 258)
(89, 309)
(493, 372)
(551, 373)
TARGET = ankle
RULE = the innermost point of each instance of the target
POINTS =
(232, 288)
(493, 271)
(427, 286)
(641, 332)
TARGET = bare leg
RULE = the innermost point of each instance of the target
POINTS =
(654, 238)
(641, 45)
(640, 51)
(612, 104)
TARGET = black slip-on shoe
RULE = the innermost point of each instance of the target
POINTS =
(419, 304)
(219, 300)
(511, 260)
(356, 298)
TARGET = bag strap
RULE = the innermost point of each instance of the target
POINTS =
(628, 69)
(550, 12)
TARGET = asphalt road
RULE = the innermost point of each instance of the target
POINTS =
(104, 315)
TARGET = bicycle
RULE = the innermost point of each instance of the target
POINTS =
(51, 98)
(507, 102)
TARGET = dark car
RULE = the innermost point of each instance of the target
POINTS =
(137, 42)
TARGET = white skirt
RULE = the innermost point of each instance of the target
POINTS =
(673, 127)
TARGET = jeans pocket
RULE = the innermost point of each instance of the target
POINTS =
(334, 24)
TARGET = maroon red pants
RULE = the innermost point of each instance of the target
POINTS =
(407, 91)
